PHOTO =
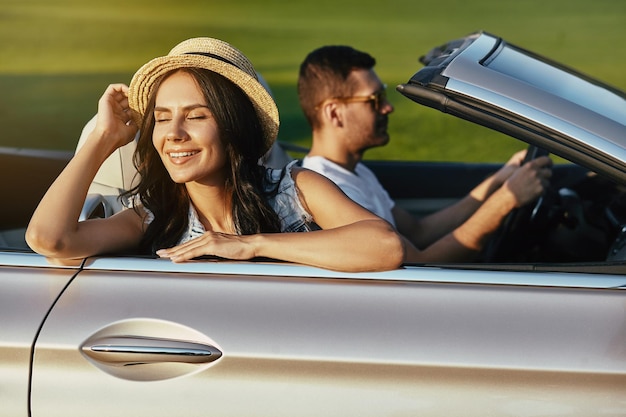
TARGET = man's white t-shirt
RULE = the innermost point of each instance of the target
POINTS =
(362, 186)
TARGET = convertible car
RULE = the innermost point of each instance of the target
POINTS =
(537, 326)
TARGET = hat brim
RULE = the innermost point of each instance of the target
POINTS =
(142, 83)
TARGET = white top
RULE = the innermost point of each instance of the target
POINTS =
(362, 186)
(285, 202)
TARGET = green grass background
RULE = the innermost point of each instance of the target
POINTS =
(57, 57)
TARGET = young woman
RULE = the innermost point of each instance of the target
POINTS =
(205, 120)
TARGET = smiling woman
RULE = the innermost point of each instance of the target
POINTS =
(204, 122)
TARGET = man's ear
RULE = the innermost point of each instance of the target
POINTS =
(332, 113)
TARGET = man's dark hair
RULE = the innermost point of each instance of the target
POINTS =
(324, 74)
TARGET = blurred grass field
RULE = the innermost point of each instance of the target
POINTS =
(57, 57)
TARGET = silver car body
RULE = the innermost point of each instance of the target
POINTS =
(127, 335)
(303, 341)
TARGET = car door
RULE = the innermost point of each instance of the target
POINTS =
(136, 336)
(29, 287)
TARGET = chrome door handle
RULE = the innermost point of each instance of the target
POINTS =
(139, 350)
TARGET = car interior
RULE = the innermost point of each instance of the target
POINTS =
(579, 224)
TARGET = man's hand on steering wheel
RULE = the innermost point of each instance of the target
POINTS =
(530, 182)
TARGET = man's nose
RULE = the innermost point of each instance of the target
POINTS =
(386, 107)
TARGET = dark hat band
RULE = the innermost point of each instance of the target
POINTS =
(219, 58)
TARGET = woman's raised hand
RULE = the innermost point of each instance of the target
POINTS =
(115, 120)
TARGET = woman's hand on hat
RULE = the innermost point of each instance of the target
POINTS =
(222, 245)
(115, 120)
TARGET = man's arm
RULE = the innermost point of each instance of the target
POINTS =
(423, 232)
(465, 241)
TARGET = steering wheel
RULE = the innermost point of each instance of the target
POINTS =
(523, 226)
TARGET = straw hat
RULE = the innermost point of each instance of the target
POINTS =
(217, 56)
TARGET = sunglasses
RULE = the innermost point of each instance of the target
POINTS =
(377, 99)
